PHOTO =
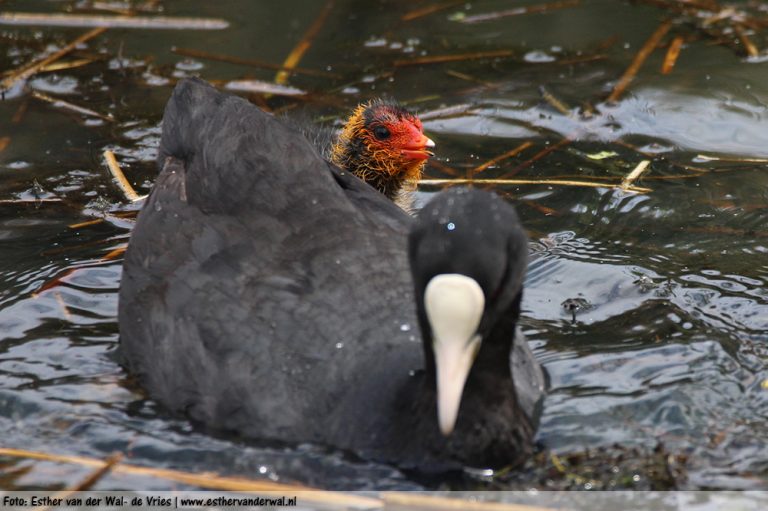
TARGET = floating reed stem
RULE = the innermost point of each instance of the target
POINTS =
(556, 103)
(114, 254)
(749, 46)
(438, 59)
(430, 9)
(442, 167)
(86, 20)
(207, 480)
(29, 201)
(531, 9)
(60, 66)
(30, 69)
(293, 58)
(199, 54)
(733, 159)
(70, 106)
(549, 182)
(636, 173)
(122, 182)
(672, 53)
(541, 154)
(87, 223)
(509, 154)
(305, 494)
(638, 61)
(63, 306)
(90, 480)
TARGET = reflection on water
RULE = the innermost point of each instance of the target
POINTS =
(669, 350)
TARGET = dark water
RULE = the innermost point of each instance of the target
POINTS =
(669, 346)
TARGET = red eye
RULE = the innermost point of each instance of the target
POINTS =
(381, 132)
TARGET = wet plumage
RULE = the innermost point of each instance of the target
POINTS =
(269, 293)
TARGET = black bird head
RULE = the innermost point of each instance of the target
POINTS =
(468, 256)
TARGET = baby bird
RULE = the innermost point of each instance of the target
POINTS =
(383, 144)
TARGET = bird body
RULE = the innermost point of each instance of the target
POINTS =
(267, 292)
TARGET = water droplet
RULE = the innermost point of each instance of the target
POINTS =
(405, 327)
(451, 226)
(262, 469)
(339, 345)
(412, 373)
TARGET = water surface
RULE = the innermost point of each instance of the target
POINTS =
(667, 352)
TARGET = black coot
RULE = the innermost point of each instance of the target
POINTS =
(267, 292)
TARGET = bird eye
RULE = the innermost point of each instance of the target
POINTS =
(381, 132)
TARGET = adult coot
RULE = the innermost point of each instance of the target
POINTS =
(266, 291)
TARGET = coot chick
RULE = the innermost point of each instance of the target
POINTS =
(267, 292)
(383, 144)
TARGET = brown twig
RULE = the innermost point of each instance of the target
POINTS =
(678, 6)
(61, 66)
(18, 116)
(549, 182)
(439, 59)
(442, 167)
(293, 58)
(509, 154)
(29, 201)
(306, 495)
(32, 68)
(114, 254)
(541, 154)
(749, 46)
(541, 208)
(117, 173)
(113, 215)
(4, 141)
(521, 10)
(53, 282)
(554, 101)
(733, 159)
(84, 20)
(468, 78)
(430, 9)
(87, 223)
(638, 61)
(110, 7)
(63, 305)
(670, 59)
(88, 482)
(632, 176)
(199, 54)
(70, 106)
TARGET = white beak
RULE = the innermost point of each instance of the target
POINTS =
(454, 306)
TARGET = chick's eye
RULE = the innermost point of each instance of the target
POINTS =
(381, 132)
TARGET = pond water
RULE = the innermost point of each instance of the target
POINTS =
(660, 360)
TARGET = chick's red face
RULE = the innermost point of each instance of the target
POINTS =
(397, 132)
